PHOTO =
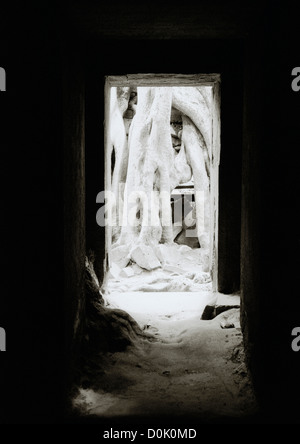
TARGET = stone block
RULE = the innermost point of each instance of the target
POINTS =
(136, 269)
(208, 313)
(144, 256)
(174, 269)
(114, 271)
(224, 302)
(184, 249)
(127, 272)
(230, 318)
(120, 255)
(160, 251)
(167, 253)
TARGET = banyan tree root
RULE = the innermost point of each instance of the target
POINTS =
(107, 329)
(155, 168)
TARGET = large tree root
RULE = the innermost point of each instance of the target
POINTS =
(107, 329)
(155, 168)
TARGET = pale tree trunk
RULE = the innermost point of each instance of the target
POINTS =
(154, 165)
(194, 104)
(119, 103)
(151, 156)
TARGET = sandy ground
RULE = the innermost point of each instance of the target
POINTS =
(192, 368)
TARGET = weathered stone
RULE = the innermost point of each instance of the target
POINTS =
(208, 313)
(176, 115)
(223, 303)
(183, 239)
(160, 251)
(226, 302)
(188, 233)
(200, 278)
(120, 255)
(184, 249)
(114, 271)
(176, 142)
(136, 269)
(229, 318)
(144, 256)
(127, 272)
(190, 258)
(189, 220)
(226, 324)
(173, 132)
(173, 269)
(129, 113)
(166, 253)
(189, 275)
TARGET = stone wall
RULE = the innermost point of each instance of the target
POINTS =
(74, 205)
(242, 184)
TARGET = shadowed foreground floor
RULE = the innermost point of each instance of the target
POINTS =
(190, 369)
